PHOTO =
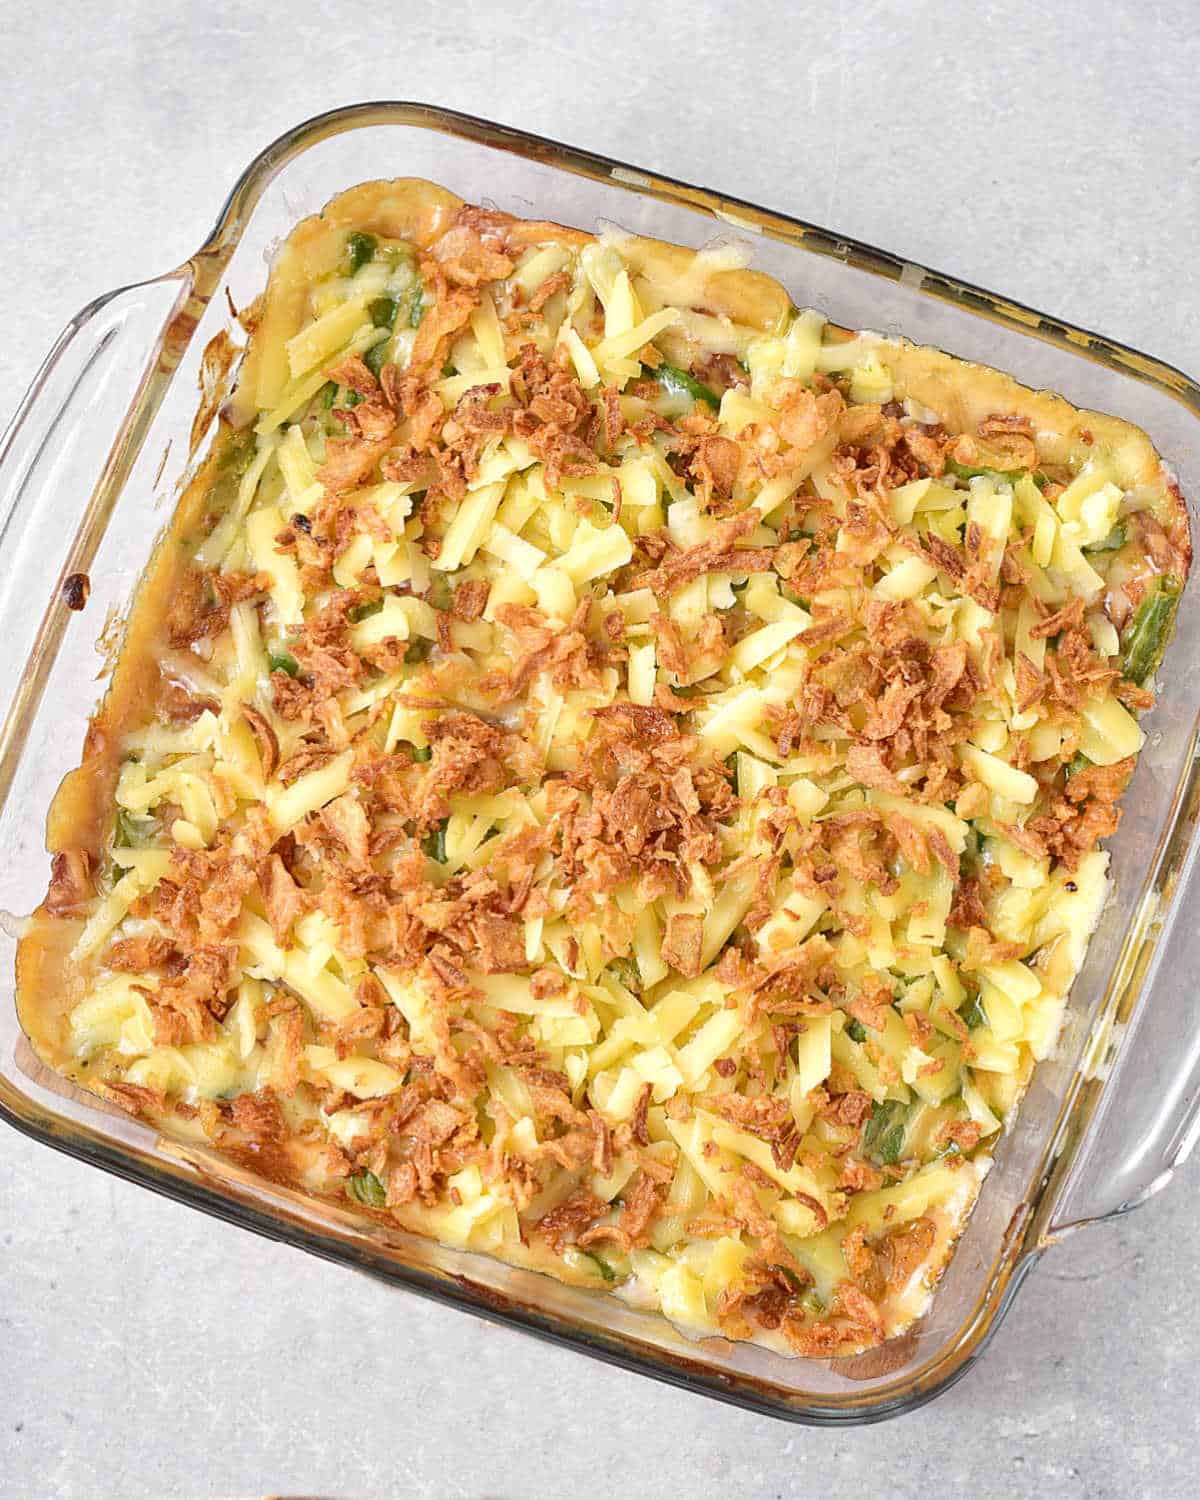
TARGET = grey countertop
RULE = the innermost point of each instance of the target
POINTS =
(1050, 152)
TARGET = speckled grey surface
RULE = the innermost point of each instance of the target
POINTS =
(1045, 152)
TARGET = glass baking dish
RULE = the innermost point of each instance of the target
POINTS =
(89, 470)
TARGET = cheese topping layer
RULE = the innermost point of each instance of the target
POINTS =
(622, 772)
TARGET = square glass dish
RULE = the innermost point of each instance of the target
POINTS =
(89, 471)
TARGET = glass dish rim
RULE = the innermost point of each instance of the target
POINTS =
(199, 273)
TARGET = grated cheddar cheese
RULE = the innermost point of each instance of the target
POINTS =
(623, 784)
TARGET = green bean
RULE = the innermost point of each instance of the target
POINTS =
(383, 312)
(281, 660)
(360, 248)
(680, 383)
(125, 836)
(434, 844)
(1113, 542)
(971, 471)
(883, 1139)
(125, 833)
(973, 1014)
(376, 357)
(1145, 639)
(367, 1189)
(606, 1271)
(417, 651)
(364, 611)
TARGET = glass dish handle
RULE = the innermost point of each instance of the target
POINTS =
(58, 453)
(1148, 1117)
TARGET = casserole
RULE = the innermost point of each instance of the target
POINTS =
(641, 833)
(817, 1392)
